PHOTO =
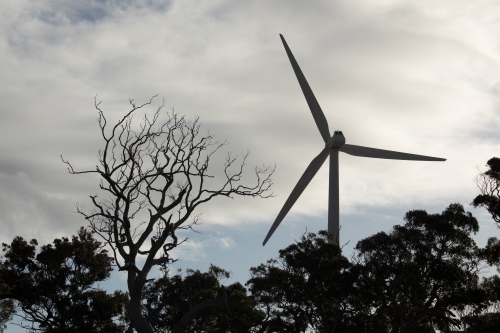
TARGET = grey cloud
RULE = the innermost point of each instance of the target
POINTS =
(380, 73)
(93, 11)
(29, 212)
(416, 76)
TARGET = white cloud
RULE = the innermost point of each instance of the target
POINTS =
(196, 250)
(405, 75)
(226, 242)
(190, 250)
(415, 76)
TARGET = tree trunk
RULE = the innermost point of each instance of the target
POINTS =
(139, 322)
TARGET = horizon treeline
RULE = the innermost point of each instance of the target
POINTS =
(425, 275)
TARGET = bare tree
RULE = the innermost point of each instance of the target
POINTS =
(157, 175)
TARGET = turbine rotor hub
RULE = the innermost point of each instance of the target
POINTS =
(337, 140)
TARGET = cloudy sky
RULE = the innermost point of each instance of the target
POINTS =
(413, 76)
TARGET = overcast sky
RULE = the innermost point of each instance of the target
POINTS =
(413, 76)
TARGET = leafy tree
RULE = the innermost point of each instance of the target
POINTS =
(7, 309)
(489, 185)
(487, 321)
(422, 273)
(422, 276)
(309, 287)
(156, 176)
(6, 305)
(169, 301)
(54, 290)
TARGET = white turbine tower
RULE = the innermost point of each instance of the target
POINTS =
(333, 145)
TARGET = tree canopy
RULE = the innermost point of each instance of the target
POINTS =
(489, 185)
(309, 286)
(54, 290)
(169, 300)
(422, 276)
(423, 272)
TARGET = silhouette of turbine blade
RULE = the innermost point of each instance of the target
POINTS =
(386, 154)
(319, 116)
(311, 170)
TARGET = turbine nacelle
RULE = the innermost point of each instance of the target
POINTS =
(336, 141)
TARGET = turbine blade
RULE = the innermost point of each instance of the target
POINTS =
(311, 170)
(386, 154)
(316, 111)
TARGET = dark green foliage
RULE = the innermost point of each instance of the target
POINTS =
(422, 271)
(168, 299)
(6, 313)
(491, 252)
(421, 277)
(308, 286)
(54, 289)
(489, 185)
(489, 319)
(484, 323)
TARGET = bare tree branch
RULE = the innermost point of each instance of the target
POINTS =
(156, 175)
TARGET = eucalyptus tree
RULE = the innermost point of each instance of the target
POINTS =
(422, 273)
(170, 298)
(7, 309)
(156, 175)
(309, 287)
(55, 289)
(488, 183)
(423, 276)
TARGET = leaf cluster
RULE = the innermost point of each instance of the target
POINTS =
(54, 289)
(170, 298)
(423, 272)
(488, 183)
(422, 276)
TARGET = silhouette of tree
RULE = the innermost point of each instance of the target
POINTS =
(422, 273)
(488, 320)
(488, 183)
(309, 287)
(169, 301)
(6, 305)
(158, 176)
(421, 277)
(54, 290)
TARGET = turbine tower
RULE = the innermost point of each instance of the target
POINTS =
(333, 144)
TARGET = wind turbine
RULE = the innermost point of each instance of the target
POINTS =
(333, 144)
